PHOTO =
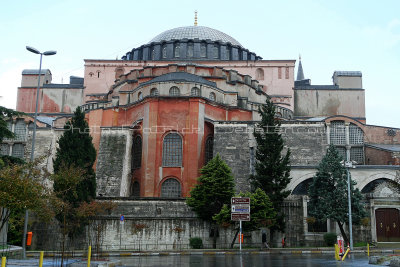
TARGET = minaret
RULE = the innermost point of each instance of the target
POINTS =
(300, 74)
(195, 18)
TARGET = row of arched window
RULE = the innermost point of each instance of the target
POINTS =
(190, 51)
(171, 153)
(175, 91)
(170, 188)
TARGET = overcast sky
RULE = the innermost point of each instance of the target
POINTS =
(329, 35)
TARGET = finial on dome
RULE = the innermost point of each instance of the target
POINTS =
(299, 57)
(195, 18)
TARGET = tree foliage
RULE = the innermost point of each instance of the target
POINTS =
(76, 149)
(21, 187)
(214, 189)
(271, 167)
(6, 115)
(328, 193)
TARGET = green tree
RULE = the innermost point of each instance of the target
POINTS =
(328, 193)
(21, 187)
(214, 189)
(76, 149)
(262, 213)
(272, 169)
(6, 115)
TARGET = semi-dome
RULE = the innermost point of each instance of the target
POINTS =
(195, 32)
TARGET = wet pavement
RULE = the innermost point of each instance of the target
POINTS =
(245, 260)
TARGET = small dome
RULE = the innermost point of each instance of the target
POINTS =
(195, 32)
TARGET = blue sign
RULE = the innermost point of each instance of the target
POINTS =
(122, 218)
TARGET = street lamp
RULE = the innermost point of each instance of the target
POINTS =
(348, 165)
(47, 53)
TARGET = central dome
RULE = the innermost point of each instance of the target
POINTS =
(195, 32)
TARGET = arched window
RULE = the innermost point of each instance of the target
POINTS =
(137, 152)
(164, 51)
(209, 149)
(177, 50)
(212, 96)
(153, 53)
(172, 150)
(195, 92)
(203, 50)
(215, 51)
(228, 53)
(190, 50)
(136, 189)
(171, 188)
(140, 96)
(174, 91)
(154, 92)
(259, 74)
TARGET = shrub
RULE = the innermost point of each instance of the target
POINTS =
(330, 239)
(196, 242)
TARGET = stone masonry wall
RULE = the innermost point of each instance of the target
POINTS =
(231, 141)
(111, 170)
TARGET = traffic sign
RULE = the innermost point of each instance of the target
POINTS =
(240, 200)
(240, 216)
(240, 209)
(121, 219)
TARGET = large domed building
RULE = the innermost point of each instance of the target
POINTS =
(168, 106)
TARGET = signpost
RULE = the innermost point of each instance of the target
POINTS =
(240, 211)
(121, 222)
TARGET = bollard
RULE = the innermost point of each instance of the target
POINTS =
(3, 261)
(89, 254)
(345, 254)
(41, 259)
(337, 257)
(368, 249)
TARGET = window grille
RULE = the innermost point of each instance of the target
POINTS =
(356, 135)
(357, 154)
(137, 152)
(9, 127)
(338, 133)
(177, 50)
(174, 91)
(5, 149)
(136, 189)
(20, 130)
(172, 150)
(317, 225)
(195, 92)
(171, 188)
(209, 149)
(190, 50)
(154, 92)
(212, 96)
(18, 151)
(342, 152)
(203, 50)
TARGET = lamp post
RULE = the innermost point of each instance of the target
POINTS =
(47, 53)
(348, 165)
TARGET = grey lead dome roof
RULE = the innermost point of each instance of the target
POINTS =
(195, 32)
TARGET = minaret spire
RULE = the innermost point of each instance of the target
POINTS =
(300, 73)
(195, 18)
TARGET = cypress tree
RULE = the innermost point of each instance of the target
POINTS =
(76, 150)
(272, 170)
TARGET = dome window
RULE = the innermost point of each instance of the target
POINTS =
(153, 54)
(140, 96)
(228, 53)
(190, 50)
(212, 96)
(215, 51)
(203, 50)
(164, 51)
(174, 91)
(154, 92)
(195, 92)
(177, 50)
